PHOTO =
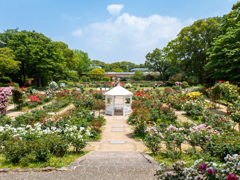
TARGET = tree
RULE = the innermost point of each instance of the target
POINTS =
(115, 65)
(71, 58)
(192, 43)
(137, 76)
(7, 63)
(39, 57)
(156, 60)
(127, 66)
(224, 55)
(117, 70)
(6, 36)
(171, 71)
(84, 61)
(97, 73)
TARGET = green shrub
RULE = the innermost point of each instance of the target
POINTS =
(73, 76)
(17, 95)
(98, 95)
(106, 79)
(184, 85)
(178, 77)
(193, 109)
(5, 120)
(85, 79)
(25, 152)
(193, 80)
(5, 80)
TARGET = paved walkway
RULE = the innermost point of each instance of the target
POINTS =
(116, 156)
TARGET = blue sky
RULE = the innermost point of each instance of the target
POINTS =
(109, 30)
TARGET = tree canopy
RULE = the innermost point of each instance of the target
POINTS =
(224, 55)
(7, 63)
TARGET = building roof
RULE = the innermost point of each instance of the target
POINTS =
(140, 69)
(118, 91)
(95, 67)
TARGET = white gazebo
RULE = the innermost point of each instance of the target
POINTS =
(118, 96)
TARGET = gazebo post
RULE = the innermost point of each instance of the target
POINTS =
(113, 104)
(123, 105)
(106, 102)
(130, 101)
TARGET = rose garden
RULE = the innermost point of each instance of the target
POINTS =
(186, 130)
(174, 115)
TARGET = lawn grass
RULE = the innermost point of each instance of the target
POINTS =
(197, 119)
(53, 162)
(164, 157)
(25, 108)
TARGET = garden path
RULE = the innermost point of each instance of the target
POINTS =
(117, 135)
(103, 165)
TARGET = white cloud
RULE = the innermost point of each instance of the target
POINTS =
(115, 9)
(135, 32)
(130, 38)
(77, 33)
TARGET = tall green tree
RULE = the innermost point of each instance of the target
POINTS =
(39, 57)
(84, 62)
(224, 55)
(156, 60)
(6, 36)
(7, 63)
(71, 58)
(191, 45)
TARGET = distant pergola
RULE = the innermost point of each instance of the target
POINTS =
(118, 96)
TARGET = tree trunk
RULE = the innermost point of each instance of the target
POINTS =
(24, 74)
(35, 82)
(39, 80)
(203, 71)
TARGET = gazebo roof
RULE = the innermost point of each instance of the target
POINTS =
(118, 91)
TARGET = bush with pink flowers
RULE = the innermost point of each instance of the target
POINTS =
(5, 93)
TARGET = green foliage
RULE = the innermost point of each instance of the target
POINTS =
(97, 74)
(136, 104)
(98, 95)
(171, 71)
(70, 57)
(38, 53)
(85, 79)
(106, 79)
(83, 61)
(17, 95)
(178, 77)
(99, 105)
(117, 70)
(7, 63)
(184, 85)
(191, 45)
(193, 80)
(5, 80)
(153, 142)
(73, 76)
(224, 55)
(193, 109)
(137, 76)
(156, 60)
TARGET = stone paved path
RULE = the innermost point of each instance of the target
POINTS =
(107, 161)
(99, 165)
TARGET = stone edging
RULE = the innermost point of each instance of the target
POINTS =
(46, 169)
(150, 159)
(75, 163)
